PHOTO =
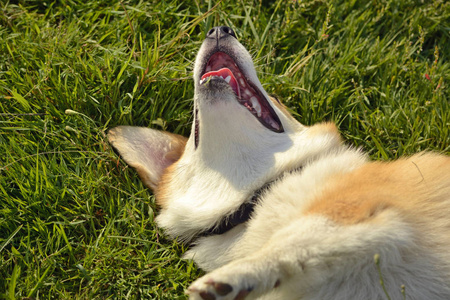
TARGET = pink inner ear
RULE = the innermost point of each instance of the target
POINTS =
(149, 151)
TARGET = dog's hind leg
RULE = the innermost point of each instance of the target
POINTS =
(313, 258)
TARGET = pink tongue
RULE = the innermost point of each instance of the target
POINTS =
(224, 73)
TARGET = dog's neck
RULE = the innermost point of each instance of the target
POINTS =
(243, 213)
(203, 189)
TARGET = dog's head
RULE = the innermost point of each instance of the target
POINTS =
(241, 139)
(224, 76)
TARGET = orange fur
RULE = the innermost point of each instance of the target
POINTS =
(417, 186)
(319, 129)
(161, 192)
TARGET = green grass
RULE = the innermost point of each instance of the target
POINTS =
(76, 222)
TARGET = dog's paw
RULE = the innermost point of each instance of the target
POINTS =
(207, 288)
(233, 282)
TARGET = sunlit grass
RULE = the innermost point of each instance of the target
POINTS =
(76, 222)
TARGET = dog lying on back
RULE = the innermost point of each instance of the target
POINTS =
(277, 210)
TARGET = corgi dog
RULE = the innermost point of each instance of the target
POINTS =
(273, 209)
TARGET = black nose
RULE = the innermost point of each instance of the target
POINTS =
(220, 32)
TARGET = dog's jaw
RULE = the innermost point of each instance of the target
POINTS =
(224, 71)
(225, 67)
(231, 104)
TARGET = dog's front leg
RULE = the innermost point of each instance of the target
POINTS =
(298, 259)
(242, 279)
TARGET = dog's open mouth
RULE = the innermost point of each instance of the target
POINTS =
(223, 67)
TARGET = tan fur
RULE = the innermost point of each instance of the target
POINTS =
(328, 127)
(161, 192)
(416, 186)
(416, 189)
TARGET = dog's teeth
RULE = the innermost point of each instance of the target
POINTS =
(256, 105)
(274, 124)
(228, 79)
(248, 93)
(242, 82)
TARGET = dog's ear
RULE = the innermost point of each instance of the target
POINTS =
(147, 150)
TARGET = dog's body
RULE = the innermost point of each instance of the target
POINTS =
(318, 210)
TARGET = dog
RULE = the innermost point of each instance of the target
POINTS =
(273, 209)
